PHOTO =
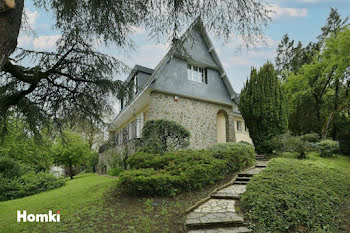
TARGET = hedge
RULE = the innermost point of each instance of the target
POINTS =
(175, 172)
(295, 196)
(28, 184)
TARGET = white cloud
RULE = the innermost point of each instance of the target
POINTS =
(45, 42)
(32, 17)
(24, 41)
(278, 11)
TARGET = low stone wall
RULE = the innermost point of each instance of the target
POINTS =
(105, 158)
(199, 117)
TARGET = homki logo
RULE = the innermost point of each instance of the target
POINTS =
(38, 217)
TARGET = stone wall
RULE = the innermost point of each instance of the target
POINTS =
(104, 159)
(199, 117)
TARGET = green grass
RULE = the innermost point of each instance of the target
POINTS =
(291, 195)
(93, 203)
(84, 191)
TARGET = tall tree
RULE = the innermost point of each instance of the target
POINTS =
(263, 105)
(76, 78)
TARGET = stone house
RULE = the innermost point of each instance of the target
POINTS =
(190, 86)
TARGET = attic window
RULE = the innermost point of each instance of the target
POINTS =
(197, 74)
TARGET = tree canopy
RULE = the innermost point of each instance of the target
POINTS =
(263, 105)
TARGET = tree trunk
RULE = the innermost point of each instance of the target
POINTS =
(71, 171)
(10, 24)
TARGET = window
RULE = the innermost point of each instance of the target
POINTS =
(139, 124)
(196, 74)
(135, 86)
(239, 126)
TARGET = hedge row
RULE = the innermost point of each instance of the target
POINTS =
(174, 172)
(295, 196)
(28, 184)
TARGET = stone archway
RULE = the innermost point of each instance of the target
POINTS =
(221, 126)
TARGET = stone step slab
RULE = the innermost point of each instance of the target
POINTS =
(223, 230)
(261, 163)
(242, 178)
(214, 213)
(250, 172)
(231, 192)
(240, 182)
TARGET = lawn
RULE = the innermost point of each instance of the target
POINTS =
(293, 195)
(93, 203)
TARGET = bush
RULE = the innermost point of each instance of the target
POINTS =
(10, 168)
(310, 137)
(296, 196)
(328, 147)
(28, 184)
(178, 171)
(164, 135)
(237, 155)
(114, 171)
(299, 144)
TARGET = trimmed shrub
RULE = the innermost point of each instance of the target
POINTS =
(296, 196)
(174, 172)
(28, 184)
(237, 155)
(164, 135)
(328, 147)
(310, 137)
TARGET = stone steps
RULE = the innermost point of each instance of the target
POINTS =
(231, 192)
(215, 213)
(218, 214)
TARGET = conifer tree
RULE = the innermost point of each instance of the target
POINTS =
(263, 105)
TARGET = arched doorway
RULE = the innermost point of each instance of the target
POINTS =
(221, 129)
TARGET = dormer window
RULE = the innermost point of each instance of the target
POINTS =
(196, 74)
(135, 86)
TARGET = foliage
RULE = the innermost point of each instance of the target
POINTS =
(10, 168)
(263, 105)
(296, 196)
(115, 171)
(24, 148)
(164, 135)
(311, 137)
(175, 172)
(299, 144)
(71, 150)
(317, 84)
(238, 155)
(328, 147)
(93, 162)
(27, 184)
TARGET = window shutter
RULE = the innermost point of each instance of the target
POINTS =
(206, 75)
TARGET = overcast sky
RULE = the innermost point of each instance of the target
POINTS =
(301, 19)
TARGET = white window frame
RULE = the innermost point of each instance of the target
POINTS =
(196, 74)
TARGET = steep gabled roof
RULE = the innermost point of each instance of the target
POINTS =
(196, 24)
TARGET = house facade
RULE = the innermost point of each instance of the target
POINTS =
(190, 86)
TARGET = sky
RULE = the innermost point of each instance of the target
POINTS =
(301, 19)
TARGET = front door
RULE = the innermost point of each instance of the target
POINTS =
(221, 127)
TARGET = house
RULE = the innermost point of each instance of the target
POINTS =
(190, 86)
(57, 171)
